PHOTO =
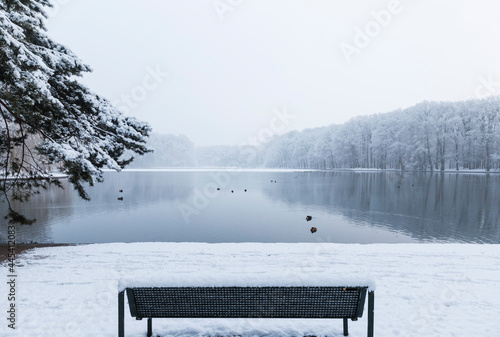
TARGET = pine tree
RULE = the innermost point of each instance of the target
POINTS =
(48, 117)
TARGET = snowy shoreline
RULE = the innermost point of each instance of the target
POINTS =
(237, 169)
(422, 289)
(53, 175)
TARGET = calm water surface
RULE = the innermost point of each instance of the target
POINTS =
(347, 207)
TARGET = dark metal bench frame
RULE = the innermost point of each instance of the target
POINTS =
(246, 302)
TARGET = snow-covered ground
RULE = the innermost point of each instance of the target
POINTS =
(421, 289)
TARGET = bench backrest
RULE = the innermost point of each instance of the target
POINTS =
(247, 302)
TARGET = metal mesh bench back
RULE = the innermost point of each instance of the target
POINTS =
(247, 302)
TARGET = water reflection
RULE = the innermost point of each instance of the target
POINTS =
(448, 207)
(50, 203)
(63, 217)
(350, 207)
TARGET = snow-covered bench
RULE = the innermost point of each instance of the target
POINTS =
(246, 302)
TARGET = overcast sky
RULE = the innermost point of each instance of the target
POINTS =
(223, 71)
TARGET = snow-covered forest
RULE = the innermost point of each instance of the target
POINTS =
(428, 136)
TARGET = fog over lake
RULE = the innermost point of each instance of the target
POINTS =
(346, 207)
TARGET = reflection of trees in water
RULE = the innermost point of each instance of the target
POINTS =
(39, 207)
(427, 206)
(141, 188)
(56, 205)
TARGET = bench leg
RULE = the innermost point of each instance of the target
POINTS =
(346, 329)
(371, 306)
(121, 314)
(150, 327)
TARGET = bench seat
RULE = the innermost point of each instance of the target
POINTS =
(246, 302)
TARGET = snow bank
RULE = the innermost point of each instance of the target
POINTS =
(422, 289)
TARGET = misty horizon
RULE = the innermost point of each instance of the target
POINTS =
(216, 71)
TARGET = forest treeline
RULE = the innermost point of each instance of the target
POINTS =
(428, 136)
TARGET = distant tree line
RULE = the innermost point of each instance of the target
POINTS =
(430, 136)
(168, 151)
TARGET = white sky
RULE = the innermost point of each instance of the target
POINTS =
(230, 70)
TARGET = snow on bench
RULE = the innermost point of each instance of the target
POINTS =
(270, 291)
(345, 302)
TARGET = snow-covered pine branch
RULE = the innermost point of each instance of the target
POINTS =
(75, 130)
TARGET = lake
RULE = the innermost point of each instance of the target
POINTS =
(269, 206)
